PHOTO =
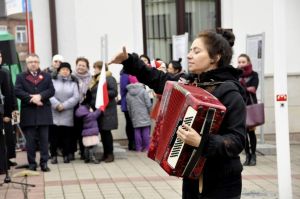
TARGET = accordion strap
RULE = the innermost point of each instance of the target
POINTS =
(209, 86)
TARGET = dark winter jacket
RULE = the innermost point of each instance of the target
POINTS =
(90, 125)
(5, 97)
(124, 81)
(13, 103)
(109, 119)
(250, 81)
(26, 85)
(223, 149)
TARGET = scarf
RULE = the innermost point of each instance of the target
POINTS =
(83, 83)
(247, 70)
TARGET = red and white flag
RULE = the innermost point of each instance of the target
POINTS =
(102, 94)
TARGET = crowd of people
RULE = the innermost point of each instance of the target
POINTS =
(58, 110)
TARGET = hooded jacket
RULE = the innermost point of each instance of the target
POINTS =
(138, 105)
(90, 125)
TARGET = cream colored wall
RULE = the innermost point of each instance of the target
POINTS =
(293, 103)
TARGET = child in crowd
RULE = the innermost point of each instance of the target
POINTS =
(139, 106)
(90, 130)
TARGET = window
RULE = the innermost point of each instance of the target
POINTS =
(199, 15)
(3, 28)
(162, 22)
(21, 35)
(160, 18)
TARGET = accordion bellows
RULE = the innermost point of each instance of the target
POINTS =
(195, 107)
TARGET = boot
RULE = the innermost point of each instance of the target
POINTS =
(247, 161)
(252, 160)
(104, 156)
(54, 160)
(95, 161)
(110, 158)
(66, 159)
(71, 156)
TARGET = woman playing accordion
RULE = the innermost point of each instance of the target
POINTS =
(208, 62)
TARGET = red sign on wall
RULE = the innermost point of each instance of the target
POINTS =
(281, 98)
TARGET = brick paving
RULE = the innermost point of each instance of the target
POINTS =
(136, 176)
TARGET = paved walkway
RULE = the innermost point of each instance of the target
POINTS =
(137, 177)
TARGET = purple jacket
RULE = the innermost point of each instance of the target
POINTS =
(124, 81)
(90, 125)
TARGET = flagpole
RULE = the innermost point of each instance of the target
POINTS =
(102, 93)
(28, 26)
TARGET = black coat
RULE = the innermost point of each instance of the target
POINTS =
(108, 120)
(31, 114)
(250, 81)
(9, 129)
(6, 108)
(6, 101)
(222, 150)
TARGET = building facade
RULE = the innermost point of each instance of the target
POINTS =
(74, 28)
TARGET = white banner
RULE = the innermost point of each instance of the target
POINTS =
(180, 49)
(255, 50)
(16, 6)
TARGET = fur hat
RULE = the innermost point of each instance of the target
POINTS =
(64, 65)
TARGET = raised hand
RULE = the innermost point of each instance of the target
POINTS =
(120, 57)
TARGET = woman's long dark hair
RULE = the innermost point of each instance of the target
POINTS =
(217, 44)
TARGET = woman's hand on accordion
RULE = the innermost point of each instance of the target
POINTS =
(188, 135)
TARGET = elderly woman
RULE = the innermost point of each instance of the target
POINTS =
(63, 102)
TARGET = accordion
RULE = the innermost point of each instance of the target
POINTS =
(194, 107)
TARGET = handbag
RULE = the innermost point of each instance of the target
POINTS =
(255, 114)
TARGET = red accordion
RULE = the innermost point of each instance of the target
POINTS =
(195, 107)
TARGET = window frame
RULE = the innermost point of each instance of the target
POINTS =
(180, 19)
(23, 34)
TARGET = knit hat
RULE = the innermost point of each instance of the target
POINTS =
(132, 79)
(64, 65)
(58, 58)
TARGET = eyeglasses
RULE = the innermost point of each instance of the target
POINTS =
(32, 62)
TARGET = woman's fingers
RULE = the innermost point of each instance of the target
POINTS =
(124, 50)
(188, 135)
(120, 57)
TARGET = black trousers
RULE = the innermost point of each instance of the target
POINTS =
(229, 187)
(129, 131)
(60, 135)
(32, 133)
(250, 142)
(76, 136)
(10, 136)
(3, 159)
(107, 141)
(9, 141)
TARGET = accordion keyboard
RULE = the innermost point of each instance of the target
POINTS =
(178, 144)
